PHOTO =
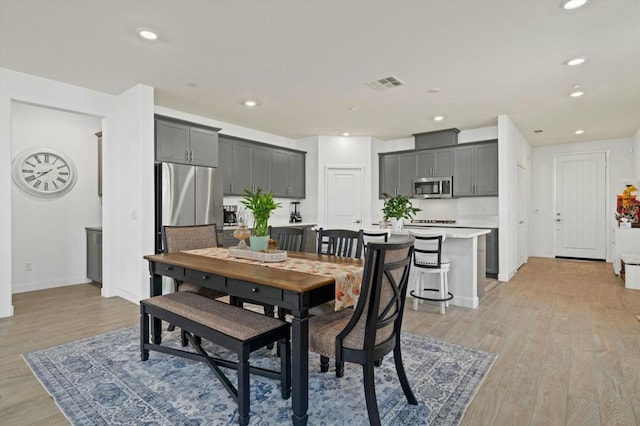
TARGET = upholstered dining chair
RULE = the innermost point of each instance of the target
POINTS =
(340, 242)
(372, 330)
(179, 238)
(290, 239)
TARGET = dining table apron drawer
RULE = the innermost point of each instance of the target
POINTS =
(250, 290)
(204, 279)
(176, 272)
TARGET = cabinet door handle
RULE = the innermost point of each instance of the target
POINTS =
(186, 158)
(231, 187)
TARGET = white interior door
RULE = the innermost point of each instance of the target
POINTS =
(580, 216)
(521, 217)
(344, 189)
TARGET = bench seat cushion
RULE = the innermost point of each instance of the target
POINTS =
(228, 319)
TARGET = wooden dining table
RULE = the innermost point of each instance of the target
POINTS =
(292, 290)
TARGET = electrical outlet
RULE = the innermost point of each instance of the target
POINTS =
(28, 266)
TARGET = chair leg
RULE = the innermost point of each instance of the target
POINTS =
(378, 362)
(269, 310)
(443, 295)
(183, 338)
(370, 395)
(324, 364)
(339, 368)
(446, 288)
(285, 368)
(404, 382)
(416, 291)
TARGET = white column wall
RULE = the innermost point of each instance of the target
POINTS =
(636, 156)
(513, 150)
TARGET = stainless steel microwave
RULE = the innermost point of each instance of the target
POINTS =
(433, 187)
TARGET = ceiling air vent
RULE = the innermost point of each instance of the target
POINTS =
(385, 83)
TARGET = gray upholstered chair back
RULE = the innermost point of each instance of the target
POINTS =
(179, 238)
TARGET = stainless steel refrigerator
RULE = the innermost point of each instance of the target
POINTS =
(186, 195)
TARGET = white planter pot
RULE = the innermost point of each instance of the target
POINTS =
(396, 224)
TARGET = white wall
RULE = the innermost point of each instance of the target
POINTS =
(49, 232)
(513, 150)
(620, 169)
(127, 123)
(636, 156)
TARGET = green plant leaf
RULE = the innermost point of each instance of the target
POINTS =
(261, 205)
(398, 206)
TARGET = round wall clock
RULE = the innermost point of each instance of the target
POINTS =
(44, 172)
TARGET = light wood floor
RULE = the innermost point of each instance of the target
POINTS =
(567, 341)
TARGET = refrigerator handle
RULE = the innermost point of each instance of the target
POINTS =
(187, 156)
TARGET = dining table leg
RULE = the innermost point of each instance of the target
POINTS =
(300, 367)
(155, 290)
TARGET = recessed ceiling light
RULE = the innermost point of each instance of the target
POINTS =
(346, 134)
(575, 61)
(573, 4)
(147, 34)
(250, 103)
(438, 118)
(579, 132)
(577, 94)
(576, 86)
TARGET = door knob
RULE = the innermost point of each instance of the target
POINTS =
(356, 221)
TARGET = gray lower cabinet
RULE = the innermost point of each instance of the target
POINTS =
(397, 172)
(185, 143)
(492, 252)
(249, 165)
(475, 169)
(94, 254)
(434, 163)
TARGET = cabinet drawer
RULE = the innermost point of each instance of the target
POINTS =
(254, 292)
(206, 280)
(170, 271)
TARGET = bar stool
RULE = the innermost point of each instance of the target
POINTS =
(428, 259)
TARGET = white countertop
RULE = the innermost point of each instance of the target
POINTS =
(451, 232)
(276, 224)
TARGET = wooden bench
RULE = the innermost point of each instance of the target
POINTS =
(234, 328)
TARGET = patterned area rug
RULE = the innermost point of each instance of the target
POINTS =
(101, 381)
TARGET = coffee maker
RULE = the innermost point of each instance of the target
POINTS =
(230, 215)
(295, 214)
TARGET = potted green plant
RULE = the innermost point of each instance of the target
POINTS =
(396, 208)
(261, 205)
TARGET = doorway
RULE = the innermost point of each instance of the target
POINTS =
(344, 189)
(580, 205)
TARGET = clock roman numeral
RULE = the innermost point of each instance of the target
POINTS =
(46, 158)
(37, 184)
(53, 182)
(56, 160)
(37, 159)
(64, 173)
(59, 179)
(27, 171)
(29, 178)
(46, 186)
(32, 165)
(62, 167)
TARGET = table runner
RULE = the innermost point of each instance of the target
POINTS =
(348, 277)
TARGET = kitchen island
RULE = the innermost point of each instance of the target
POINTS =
(466, 250)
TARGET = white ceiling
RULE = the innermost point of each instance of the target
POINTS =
(308, 62)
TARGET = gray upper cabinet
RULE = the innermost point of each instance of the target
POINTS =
(287, 174)
(434, 163)
(397, 172)
(249, 165)
(186, 143)
(475, 169)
